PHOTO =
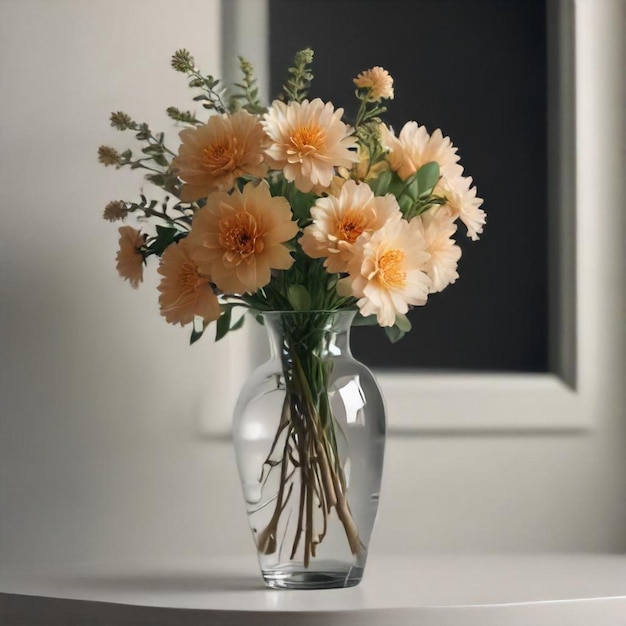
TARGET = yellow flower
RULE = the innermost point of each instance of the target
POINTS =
(415, 147)
(308, 141)
(239, 238)
(185, 292)
(387, 273)
(378, 81)
(129, 258)
(339, 221)
(213, 155)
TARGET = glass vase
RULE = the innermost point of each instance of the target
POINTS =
(309, 436)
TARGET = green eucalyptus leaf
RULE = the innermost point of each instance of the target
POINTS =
(428, 176)
(412, 189)
(394, 333)
(403, 323)
(406, 204)
(380, 185)
(396, 185)
(299, 298)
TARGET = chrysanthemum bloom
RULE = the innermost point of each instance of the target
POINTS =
(239, 238)
(414, 147)
(461, 202)
(307, 141)
(129, 258)
(387, 272)
(339, 221)
(378, 81)
(185, 292)
(438, 229)
(213, 155)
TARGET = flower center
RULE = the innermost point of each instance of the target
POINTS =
(351, 226)
(307, 139)
(221, 156)
(239, 236)
(188, 277)
(389, 271)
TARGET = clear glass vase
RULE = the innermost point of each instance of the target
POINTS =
(309, 436)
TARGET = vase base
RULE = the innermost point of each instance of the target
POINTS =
(321, 576)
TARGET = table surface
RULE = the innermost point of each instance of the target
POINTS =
(433, 590)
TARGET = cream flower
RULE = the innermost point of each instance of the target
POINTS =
(339, 221)
(213, 155)
(438, 229)
(387, 271)
(307, 141)
(378, 81)
(239, 238)
(415, 147)
(129, 258)
(185, 292)
(461, 202)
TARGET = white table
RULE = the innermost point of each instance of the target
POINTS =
(515, 590)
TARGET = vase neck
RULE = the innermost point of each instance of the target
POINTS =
(323, 333)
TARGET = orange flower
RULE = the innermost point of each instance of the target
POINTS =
(185, 292)
(129, 258)
(213, 155)
(378, 81)
(307, 141)
(414, 147)
(239, 238)
(339, 220)
(387, 272)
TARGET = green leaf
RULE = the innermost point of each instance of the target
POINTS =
(413, 187)
(396, 185)
(427, 177)
(380, 185)
(301, 203)
(394, 333)
(165, 237)
(159, 159)
(299, 298)
(403, 323)
(406, 204)
(198, 329)
(239, 323)
(223, 323)
(360, 320)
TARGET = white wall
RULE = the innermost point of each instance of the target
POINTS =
(103, 407)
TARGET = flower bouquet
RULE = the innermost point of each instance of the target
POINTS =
(311, 224)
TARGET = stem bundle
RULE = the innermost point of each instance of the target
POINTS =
(309, 456)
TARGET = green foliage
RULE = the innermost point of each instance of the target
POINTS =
(185, 117)
(211, 99)
(399, 329)
(248, 98)
(299, 298)
(297, 85)
(415, 194)
(224, 323)
(164, 237)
